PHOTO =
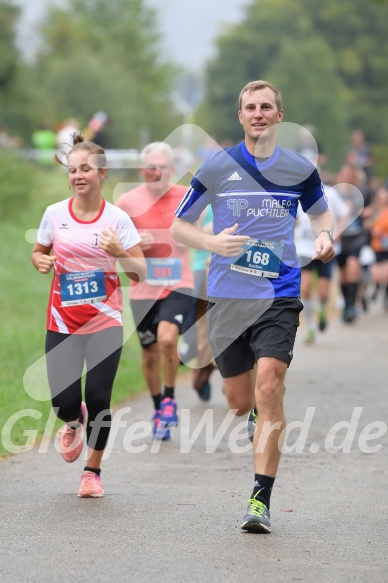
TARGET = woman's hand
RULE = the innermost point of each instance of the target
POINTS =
(46, 263)
(109, 242)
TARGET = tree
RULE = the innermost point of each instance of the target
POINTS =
(357, 32)
(96, 55)
(330, 59)
(9, 55)
(318, 98)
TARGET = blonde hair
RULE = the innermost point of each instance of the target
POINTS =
(256, 86)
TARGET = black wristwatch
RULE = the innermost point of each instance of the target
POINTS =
(328, 232)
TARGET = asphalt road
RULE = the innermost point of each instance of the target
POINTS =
(173, 512)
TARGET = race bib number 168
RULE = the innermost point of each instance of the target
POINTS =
(260, 258)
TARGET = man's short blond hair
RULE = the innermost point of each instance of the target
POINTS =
(256, 86)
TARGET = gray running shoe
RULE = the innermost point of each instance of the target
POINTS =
(256, 518)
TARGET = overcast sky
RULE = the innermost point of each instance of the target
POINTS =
(188, 26)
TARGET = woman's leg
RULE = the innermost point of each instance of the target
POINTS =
(65, 360)
(103, 351)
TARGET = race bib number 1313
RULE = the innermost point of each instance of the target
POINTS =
(83, 287)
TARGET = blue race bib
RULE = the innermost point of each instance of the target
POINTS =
(260, 258)
(83, 287)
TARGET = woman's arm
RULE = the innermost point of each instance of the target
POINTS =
(131, 260)
(41, 258)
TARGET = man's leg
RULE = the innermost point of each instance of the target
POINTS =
(151, 368)
(266, 442)
(352, 277)
(144, 314)
(270, 377)
(204, 365)
(240, 392)
(167, 338)
(152, 374)
(324, 294)
(306, 294)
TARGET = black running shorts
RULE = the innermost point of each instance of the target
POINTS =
(242, 331)
(148, 313)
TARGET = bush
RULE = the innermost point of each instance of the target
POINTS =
(18, 178)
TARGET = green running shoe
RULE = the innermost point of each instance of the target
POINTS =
(256, 518)
(322, 320)
(251, 424)
(310, 337)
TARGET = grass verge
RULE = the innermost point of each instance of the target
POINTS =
(23, 301)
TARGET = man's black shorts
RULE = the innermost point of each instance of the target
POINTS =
(242, 331)
(344, 255)
(148, 313)
(322, 269)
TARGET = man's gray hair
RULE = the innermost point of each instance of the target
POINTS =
(160, 147)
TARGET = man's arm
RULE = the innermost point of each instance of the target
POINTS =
(225, 243)
(320, 224)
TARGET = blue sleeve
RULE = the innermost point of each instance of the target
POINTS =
(197, 198)
(313, 200)
(192, 205)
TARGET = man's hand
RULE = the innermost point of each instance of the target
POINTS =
(227, 244)
(324, 249)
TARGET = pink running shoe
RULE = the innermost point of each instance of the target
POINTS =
(72, 440)
(160, 430)
(91, 486)
(169, 413)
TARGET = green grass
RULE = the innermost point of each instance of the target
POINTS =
(23, 301)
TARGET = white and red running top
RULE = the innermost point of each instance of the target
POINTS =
(85, 294)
